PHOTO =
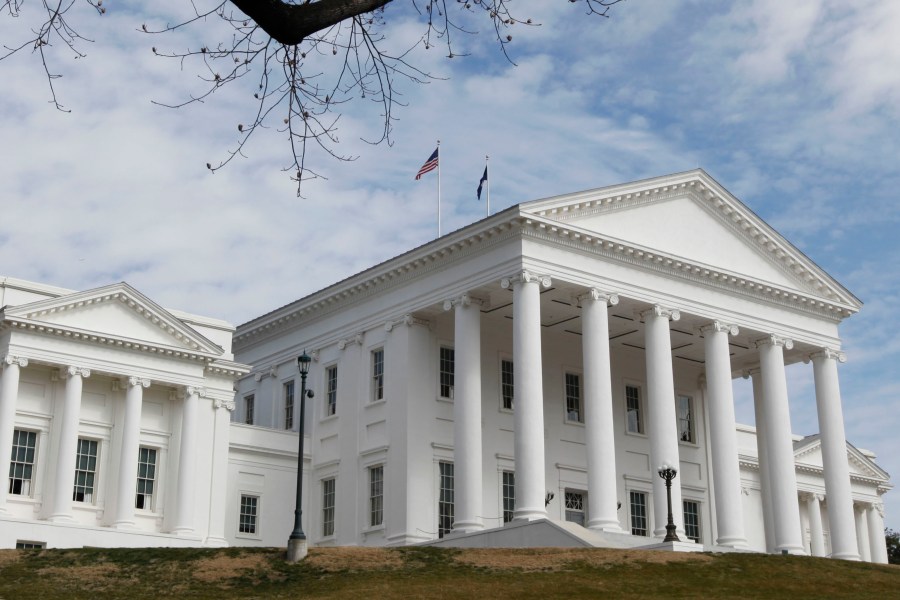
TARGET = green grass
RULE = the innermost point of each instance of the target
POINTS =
(406, 573)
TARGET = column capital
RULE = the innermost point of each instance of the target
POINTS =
(829, 354)
(191, 390)
(138, 381)
(774, 340)
(810, 496)
(354, 339)
(72, 371)
(525, 276)
(672, 314)
(748, 373)
(463, 300)
(9, 359)
(719, 326)
(595, 294)
(226, 404)
(408, 319)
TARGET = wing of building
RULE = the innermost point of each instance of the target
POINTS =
(517, 382)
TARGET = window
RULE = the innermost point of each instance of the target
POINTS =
(85, 471)
(26, 545)
(575, 507)
(249, 405)
(509, 495)
(378, 375)
(692, 519)
(249, 517)
(328, 507)
(445, 499)
(446, 372)
(331, 390)
(684, 406)
(573, 398)
(638, 513)
(21, 463)
(376, 496)
(506, 384)
(633, 409)
(289, 405)
(146, 477)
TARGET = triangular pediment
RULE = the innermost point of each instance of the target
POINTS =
(808, 452)
(115, 311)
(690, 218)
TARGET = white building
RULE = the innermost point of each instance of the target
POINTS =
(491, 387)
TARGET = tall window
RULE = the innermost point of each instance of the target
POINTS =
(575, 507)
(376, 495)
(446, 372)
(633, 409)
(573, 398)
(249, 408)
(26, 545)
(21, 463)
(692, 519)
(509, 495)
(289, 405)
(378, 375)
(506, 384)
(685, 408)
(638, 513)
(331, 390)
(328, 507)
(85, 471)
(146, 477)
(249, 516)
(445, 499)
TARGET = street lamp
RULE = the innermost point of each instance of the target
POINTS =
(668, 473)
(297, 541)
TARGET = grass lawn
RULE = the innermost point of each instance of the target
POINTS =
(375, 573)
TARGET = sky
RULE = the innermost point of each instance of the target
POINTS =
(793, 107)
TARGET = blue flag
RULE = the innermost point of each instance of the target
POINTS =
(481, 183)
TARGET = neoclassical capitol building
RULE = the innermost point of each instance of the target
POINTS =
(517, 382)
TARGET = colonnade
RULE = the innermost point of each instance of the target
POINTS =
(777, 471)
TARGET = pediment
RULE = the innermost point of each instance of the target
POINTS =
(808, 452)
(116, 311)
(689, 217)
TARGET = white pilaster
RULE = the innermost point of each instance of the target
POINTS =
(598, 411)
(877, 542)
(762, 452)
(782, 473)
(661, 419)
(9, 393)
(862, 533)
(218, 479)
(816, 532)
(131, 439)
(528, 405)
(723, 436)
(834, 454)
(187, 464)
(61, 508)
(467, 463)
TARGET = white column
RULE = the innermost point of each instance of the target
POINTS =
(816, 532)
(61, 508)
(598, 411)
(877, 542)
(218, 478)
(528, 405)
(723, 436)
(762, 453)
(782, 473)
(131, 440)
(862, 533)
(662, 424)
(834, 454)
(467, 463)
(187, 463)
(9, 393)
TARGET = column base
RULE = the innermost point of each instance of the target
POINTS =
(61, 518)
(216, 542)
(529, 514)
(124, 525)
(732, 542)
(846, 556)
(607, 526)
(183, 531)
(467, 527)
(794, 550)
(296, 550)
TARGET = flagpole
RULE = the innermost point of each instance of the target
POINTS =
(439, 186)
(488, 208)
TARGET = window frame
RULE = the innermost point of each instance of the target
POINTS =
(249, 408)
(376, 371)
(375, 496)
(578, 398)
(632, 516)
(288, 395)
(30, 545)
(691, 419)
(331, 389)
(446, 378)
(253, 518)
(91, 472)
(25, 464)
(641, 425)
(329, 508)
(446, 508)
(508, 494)
(570, 493)
(154, 490)
(698, 523)
(509, 384)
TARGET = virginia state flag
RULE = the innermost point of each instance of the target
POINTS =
(481, 183)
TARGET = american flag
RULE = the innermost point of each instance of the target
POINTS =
(430, 164)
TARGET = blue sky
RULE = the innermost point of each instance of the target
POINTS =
(793, 107)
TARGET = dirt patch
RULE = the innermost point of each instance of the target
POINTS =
(560, 559)
(89, 574)
(9, 557)
(353, 558)
(221, 568)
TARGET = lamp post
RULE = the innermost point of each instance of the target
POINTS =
(297, 549)
(668, 473)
